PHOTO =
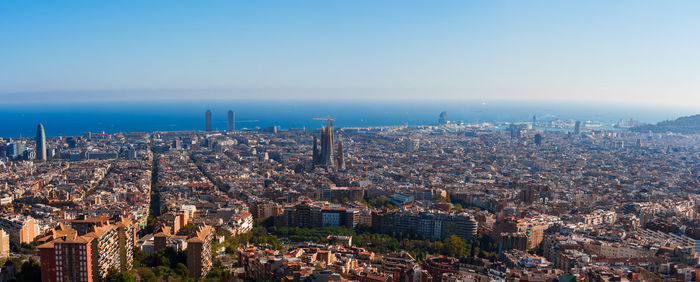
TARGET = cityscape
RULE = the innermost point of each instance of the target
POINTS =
(449, 201)
(349, 141)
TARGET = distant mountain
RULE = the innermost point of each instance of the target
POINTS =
(685, 125)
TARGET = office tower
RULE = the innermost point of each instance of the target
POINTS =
(341, 158)
(40, 143)
(231, 122)
(207, 116)
(538, 139)
(514, 130)
(534, 119)
(13, 150)
(4, 244)
(199, 252)
(577, 128)
(443, 118)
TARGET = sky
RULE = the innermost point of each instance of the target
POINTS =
(611, 51)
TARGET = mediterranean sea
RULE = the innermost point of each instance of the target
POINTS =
(67, 119)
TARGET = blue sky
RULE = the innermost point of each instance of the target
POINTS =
(629, 51)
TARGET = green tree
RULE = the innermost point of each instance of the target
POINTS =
(455, 247)
(146, 274)
(29, 271)
(181, 270)
(139, 257)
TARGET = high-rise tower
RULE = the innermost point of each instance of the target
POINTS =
(231, 122)
(40, 143)
(577, 128)
(443, 118)
(207, 116)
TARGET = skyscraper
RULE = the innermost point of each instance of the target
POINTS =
(40, 143)
(577, 128)
(443, 118)
(514, 130)
(231, 122)
(538, 139)
(208, 120)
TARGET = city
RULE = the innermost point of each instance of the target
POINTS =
(443, 202)
(349, 140)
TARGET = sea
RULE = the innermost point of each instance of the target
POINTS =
(70, 119)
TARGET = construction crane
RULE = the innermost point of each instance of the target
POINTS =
(328, 119)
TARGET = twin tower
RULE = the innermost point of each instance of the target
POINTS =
(231, 121)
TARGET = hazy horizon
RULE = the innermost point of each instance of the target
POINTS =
(309, 94)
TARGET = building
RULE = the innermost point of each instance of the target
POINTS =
(207, 117)
(343, 194)
(319, 214)
(40, 143)
(325, 157)
(84, 224)
(199, 252)
(126, 232)
(105, 242)
(426, 224)
(69, 256)
(4, 244)
(68, 259)
(264, 209)
(577, 128)
(538, 139)
(341, 158)
(440, 265)
(231, 121)
(21, 229)
(443, 118)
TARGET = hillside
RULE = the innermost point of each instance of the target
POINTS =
(685, 125)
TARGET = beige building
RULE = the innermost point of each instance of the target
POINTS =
(4, 244)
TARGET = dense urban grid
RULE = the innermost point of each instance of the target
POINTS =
(548, 200)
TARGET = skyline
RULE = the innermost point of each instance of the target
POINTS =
(62, 119)
(624, 51)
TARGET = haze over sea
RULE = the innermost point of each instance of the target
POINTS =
(66, 119)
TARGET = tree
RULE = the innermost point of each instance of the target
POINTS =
(145, 274)
(455, 247)
(181, 269)
(188, 229)
(30, 271)
(124, 276)
(139, 257)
